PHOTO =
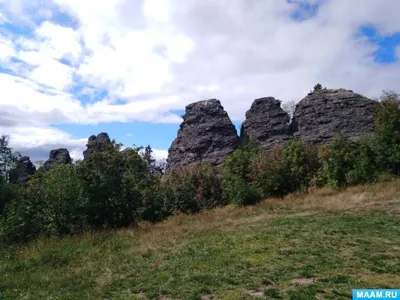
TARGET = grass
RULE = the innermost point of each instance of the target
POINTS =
(319, 245)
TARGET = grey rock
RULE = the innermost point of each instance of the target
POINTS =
(206, 135)
(57, 156)
(96, 143)
(23, 169)
(321, 115)
(266, 123)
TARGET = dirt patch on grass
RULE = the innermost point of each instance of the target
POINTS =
(303, 281)
(140, 295)
(255, 293)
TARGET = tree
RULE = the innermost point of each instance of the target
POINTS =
(8, 157)
(387, 130)
(148, 157)
(317, 87)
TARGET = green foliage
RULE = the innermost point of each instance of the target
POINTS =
(8, 157)
(7, 194)
(365, 168)
(235, 173)
(285, 169)
(51, 204)
(338, 159)
(116, 188)
(111, 189)
(148, 157)
(318, 87)
(114, 181)
(387, 129)
(194, 188)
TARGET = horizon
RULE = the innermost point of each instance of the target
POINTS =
(72, 69)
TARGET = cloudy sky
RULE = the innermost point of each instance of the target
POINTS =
(72, 68)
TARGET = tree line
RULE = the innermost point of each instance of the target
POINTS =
(115, 188)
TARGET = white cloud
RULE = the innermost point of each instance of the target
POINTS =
(155, 56)
(54, 74)
(36, 142)
(160, 154)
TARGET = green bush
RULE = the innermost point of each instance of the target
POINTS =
(387, 131)
(114, 182)
(193, 188)
(235, 173)
(364, 167)
(338, 158)
(51, 204)
(284, 169)
(7, 194)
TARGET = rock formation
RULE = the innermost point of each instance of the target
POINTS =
(206, 135)
(24, 168)
(266, 123)
(96, 143)
(57, 156)
(323, 114)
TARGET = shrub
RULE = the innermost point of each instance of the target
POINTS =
(364, 168)
(7, 194)
(193, 188)
(114, 182)
(285, 169)
(387, 130)
(235, 173)
(338, 159)
(51, 204)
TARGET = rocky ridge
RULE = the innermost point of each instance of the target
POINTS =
(322, 114)
(206, 135)
(57, 156)
(266, 123)
(96, 143)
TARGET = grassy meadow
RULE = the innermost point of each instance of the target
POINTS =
(319, 245)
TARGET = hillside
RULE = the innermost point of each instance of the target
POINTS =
(315, 246)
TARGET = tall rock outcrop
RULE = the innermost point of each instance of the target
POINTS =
(57, 156)
(323, 114)
(206, 135)
(266, 123)
(23, 169)
(96, 143)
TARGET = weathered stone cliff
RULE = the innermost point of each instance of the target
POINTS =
(266, 123)
(323, 114)
(57, 156)
(206, 135)
(96, 143)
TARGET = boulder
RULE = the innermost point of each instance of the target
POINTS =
(23, 169)
(96, 143)
(321, 115)
(206, 135)
(266, 123)
(57, 156)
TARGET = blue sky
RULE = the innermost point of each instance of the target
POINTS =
(70, 69)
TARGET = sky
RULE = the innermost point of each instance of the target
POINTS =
(73, 68)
